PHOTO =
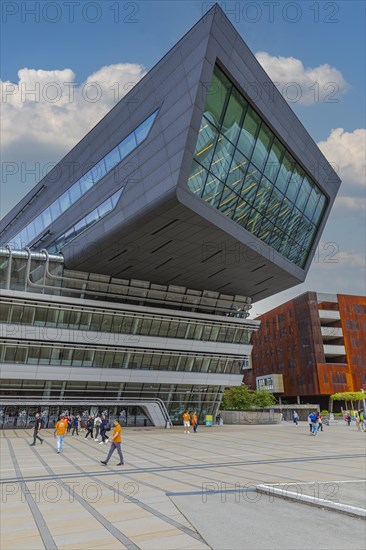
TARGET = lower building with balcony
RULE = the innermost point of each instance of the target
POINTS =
(316, 343)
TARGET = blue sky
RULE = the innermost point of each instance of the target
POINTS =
(140, 33)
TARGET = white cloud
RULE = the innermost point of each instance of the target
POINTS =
(351, 204)
(347, 151)
(46, 113)
(46, 106)
(303, 85)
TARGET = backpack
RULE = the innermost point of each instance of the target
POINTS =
(107, 426)
(313, 417)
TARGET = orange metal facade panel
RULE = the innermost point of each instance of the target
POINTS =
(326, 384)
(289, 342)
(353, 318)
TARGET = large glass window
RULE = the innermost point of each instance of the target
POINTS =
(248, 132)
(233, 115)
(216, 96)
(262, 146)
(90, 219)
(267, 191)
(221, 159)
(205, 143)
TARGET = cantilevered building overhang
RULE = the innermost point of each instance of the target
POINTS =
(201, 176)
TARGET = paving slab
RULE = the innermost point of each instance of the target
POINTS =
(235, 521)
(171, 492)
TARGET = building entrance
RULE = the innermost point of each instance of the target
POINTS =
(14, 416)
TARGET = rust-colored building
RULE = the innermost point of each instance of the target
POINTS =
(317, 342)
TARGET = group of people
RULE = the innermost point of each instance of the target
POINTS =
(100, 423)
(315, 421)
(359, 418)
(189, 420)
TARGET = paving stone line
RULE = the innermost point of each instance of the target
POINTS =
(139, 503)
(212, 468)
(208, 466)
(98, 516)
(141, 469)
(223, 440)
(44, 532)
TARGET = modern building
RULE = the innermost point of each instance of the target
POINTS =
(190, 199)
(311, 347)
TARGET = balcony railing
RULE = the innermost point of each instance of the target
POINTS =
(333, 350)
(330, 333)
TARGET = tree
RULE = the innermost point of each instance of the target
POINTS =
(237, 397)
(242, 398)
(348, 396)
(264, 398)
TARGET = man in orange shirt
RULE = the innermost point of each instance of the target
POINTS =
(115, 444)
(186, 421)
(59, 433)
(194, 421)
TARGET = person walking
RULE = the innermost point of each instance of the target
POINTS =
(59, 433)
(320, 422)
(115, 444)
(75, 425)
(89, 427)
(97, 426)
(361, 415)
(314, 423)
(186, 421)
(194, 421)
(347, 418)
(105, 427)
(310, 423)
(37, 429)
(296, 418)
(69, 420)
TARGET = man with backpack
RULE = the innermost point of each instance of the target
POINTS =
(37, 429)
(89, 427)
(314, 423)
(75, 425)
(104, 429)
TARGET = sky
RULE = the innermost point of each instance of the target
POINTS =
(64, 64)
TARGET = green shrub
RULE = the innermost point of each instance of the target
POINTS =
(241, 398)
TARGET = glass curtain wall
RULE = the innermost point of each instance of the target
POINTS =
(121, 323)
(203, 399)
(241, 168)
(55, 355)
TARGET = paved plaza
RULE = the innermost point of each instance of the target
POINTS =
(191, 491)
